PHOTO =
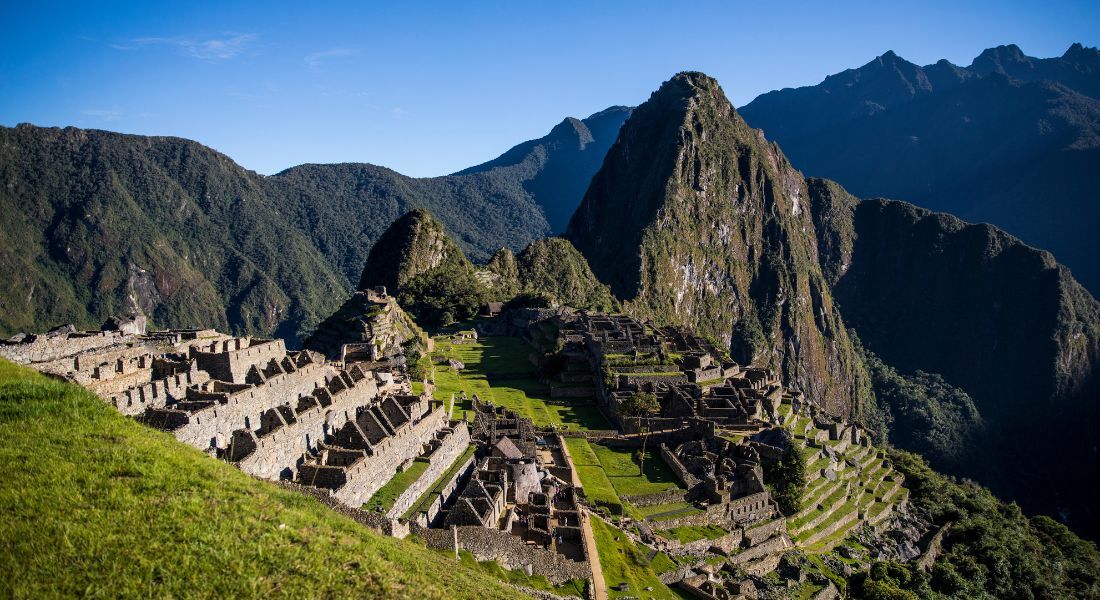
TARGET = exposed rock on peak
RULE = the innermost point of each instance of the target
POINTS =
(695, 219)
(414, 244)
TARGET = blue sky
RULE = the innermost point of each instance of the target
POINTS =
(429, 88)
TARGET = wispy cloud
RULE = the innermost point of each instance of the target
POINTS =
(398, 113)
(101, 114)
(316, 59)
(228, 45)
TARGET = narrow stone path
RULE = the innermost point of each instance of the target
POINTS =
(599, 586)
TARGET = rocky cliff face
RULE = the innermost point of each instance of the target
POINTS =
(412, 245)
(1001, 320)
(696, 219)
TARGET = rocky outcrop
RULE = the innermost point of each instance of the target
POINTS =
(695, 219)
(412, 245)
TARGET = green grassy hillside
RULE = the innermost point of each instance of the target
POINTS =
(95, 504)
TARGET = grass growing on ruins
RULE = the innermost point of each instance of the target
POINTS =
(624, 470)
(497, 370)
(386, 495)
(97, 505)
(624, 562)
(695, 533)
(425, 500)
(597, 487)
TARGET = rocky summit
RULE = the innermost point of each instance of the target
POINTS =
(696, 219)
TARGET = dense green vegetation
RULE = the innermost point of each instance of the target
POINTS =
(924, 414)
(443, 296)
(787, 479)
(412, 245)
(97, 505)
(554, 268)
(97, 223)
(991, 550)
(998, 320)
(92, 217)
(640, 404)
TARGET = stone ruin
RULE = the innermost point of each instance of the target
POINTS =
(343, 427)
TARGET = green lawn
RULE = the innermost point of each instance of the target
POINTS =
(610, 473)
(597, 487)
(623, 562)
(497, 370)
(95, 504)
(424, 501)
(664, 512)
(386, 495)
(695, 533)
(625, 471)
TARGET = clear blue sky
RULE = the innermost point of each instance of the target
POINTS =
(430, 88)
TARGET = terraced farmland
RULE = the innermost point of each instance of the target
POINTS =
(846, 485)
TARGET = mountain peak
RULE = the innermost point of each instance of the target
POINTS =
(693, 208)
(999, 59)
(411, 245)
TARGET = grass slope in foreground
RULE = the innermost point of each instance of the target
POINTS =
(95, 504)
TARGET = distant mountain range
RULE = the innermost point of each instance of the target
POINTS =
(99, 223)
(1011, 140)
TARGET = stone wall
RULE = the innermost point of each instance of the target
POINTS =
(453, 444)
(446, 495)
(725, 544)
(213, 426)
(277, 453)
(678, 469)
(773, 545)
(155, 394)
(759, 533)
(508, 550)
(46, 348)
(366, 476)
(230, 360)
(666, 497)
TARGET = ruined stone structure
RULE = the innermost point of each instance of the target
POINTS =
(342, 427)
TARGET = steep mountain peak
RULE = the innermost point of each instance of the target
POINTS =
(695, 219)
(1080, 54)
(413, 244)
(571, 131)
(1002, 59)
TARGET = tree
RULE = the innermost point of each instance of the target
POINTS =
(787, 479)
(640, 404)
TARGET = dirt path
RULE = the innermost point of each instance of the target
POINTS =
(599, 586)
